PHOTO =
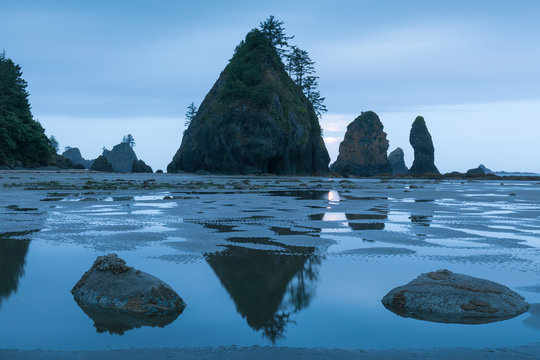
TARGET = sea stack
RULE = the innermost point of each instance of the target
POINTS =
(397, 161)
(255, 119)
(121, 157)
(74, 154)
(364, 148)
(424, 152)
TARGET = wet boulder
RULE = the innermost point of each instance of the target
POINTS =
(424, 151)
(446, 297)
(112, 290)
(397, 161)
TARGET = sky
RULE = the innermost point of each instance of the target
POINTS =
(98, 70)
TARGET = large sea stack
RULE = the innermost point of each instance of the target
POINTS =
(255, 119)
(363, 150)
(424, 152)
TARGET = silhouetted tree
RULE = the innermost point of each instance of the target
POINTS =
(54, 143)
(275, 32)
(128, 139)
(190, 114)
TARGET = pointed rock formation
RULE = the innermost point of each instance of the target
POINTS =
(101, 164)
(141, 167)
(255, 119)
(424, 152)
(121, 157)
(397, 161)
(363, 150)
(74, 154)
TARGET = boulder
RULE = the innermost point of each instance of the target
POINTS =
(397, 161)
(141, 167)
(363, 150)
(101, 164)
(254, 120)
(446, 297)
(121, 157)
(74, 154)
(119, 297)
(424, 152)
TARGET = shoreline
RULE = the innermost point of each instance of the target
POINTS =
(257, 352)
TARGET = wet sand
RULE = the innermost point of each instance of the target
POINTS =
(230, 353)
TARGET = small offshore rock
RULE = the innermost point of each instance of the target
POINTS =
(140, 167)
(135, 297)
(397, 161)
(101, 164)
(446, 297)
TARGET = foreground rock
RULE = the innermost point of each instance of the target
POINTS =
(363, 150)
(254, 120)
(118, 297)
(424, 152)
(443, 296)
(121, 157)
(140, 167)
(397, 161)
(101, 164)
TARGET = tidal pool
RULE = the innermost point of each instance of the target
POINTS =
(300, 262)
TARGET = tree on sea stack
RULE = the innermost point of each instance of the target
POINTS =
(190, 114)
(128, 139)
(255, 119)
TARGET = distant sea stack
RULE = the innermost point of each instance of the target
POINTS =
(74, 154)
(397, 161)
(255, 119)
(364, 148)
(121, 157)
(424, 152)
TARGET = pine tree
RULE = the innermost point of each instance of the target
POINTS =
(128, 139)
(190, 114)
(273, 29)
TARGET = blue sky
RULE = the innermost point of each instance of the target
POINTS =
(98, 70)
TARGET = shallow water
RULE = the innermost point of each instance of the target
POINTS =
(285, 261)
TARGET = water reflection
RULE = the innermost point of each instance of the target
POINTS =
(267, 287)
(12, 261)
(118, 322)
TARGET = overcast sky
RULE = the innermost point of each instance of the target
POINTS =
(98, 70)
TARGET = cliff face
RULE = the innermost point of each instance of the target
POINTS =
(424, 152)
(397, 161)
(363, 150)
(74, 154)
(121, 157)
(255, 119)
